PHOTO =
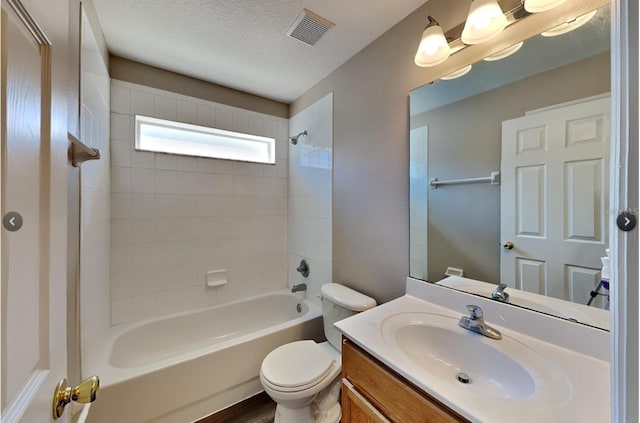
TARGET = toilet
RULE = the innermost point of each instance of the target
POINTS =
(303, 377)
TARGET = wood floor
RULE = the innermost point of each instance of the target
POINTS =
(257, 409)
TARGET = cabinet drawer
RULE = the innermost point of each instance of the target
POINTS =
(392, 396)
(356, 408)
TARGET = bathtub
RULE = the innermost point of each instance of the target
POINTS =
(180, 368)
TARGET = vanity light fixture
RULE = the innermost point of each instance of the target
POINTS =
(434, 47)
(569, 25)
(537, 6)
(484, 21)
(457, 74)
(505, 52)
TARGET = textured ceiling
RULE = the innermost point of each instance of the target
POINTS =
(243, 43)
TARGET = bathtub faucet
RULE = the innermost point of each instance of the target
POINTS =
(299, 287)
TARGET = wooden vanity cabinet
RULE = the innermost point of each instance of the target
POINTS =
(373, 393)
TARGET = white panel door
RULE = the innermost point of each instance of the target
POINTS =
(33, 325)
(553, 198)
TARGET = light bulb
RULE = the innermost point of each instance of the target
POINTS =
(484, 21)
(537, 6)
(434, 48)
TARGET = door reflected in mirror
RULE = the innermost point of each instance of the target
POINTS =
(509, 175)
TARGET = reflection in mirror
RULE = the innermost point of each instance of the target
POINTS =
(509, 175)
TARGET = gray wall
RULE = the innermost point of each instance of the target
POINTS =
(371, 148)
(150, 76)
(371, 153)
(465, 141)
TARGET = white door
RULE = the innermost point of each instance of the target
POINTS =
(33, 302)
(553, 196)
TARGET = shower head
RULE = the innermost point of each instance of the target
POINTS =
(294, 139)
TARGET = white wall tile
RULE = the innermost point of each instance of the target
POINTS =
(166, 182)
(186, 163)
(120, 179)
(120, 100)
(224, 118)
(166, 161)
(143, 159)
(121, 231)
(121, 153)
(175, 217)
(165, 108)
(143, 180)
(121, 311)
(121, 127)
(120, 205)
(143, 306)
(144, 231)
(309, 202)
(224, 166)
(142, 103)
(187, 111)
(143, 205)
(256, 124)
(186, 183)
(205, 115)
(240, 120)
(205, 165)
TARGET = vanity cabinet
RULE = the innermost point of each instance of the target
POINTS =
(372, 393)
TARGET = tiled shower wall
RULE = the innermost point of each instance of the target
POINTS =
(95, 227)
(176, 217)
(310, 184)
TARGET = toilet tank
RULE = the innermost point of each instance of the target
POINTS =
(340, 302)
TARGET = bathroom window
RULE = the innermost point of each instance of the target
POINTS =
(165, 136)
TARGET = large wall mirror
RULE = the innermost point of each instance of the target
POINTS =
(509, 175)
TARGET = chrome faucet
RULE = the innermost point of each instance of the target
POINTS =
(475, 323)
(299, 287)
(499, 294)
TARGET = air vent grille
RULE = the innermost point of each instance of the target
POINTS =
(309, 27)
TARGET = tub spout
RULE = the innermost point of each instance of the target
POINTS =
(299, 287)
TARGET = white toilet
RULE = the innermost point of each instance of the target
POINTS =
(303, 377)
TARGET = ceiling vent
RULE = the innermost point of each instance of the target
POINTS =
(309, 27)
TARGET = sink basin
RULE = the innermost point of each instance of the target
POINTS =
(466, 361)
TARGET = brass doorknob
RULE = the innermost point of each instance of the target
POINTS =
(508, 245)
(83, 393)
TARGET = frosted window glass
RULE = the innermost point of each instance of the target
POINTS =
(165, 136)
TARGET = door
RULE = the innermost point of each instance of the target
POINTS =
(553, 197)
(33, 280)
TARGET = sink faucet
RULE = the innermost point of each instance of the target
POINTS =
(475, 323)
(299, 287)
(499, 294)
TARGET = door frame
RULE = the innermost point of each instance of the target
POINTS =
(623, 196)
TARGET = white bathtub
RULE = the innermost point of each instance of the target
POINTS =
(187, 366)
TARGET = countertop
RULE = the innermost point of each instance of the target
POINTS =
(586, 369)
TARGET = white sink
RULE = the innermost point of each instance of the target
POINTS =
(473, 363)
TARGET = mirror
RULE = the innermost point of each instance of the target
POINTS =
(534, 127)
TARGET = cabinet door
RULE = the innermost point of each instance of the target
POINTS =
(396, 399)
(356, 409)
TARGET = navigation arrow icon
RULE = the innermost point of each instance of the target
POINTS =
(12, 221)
(626, 221)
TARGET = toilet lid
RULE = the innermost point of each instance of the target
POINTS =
(298, 364)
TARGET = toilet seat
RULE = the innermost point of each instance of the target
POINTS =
(297, 366)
